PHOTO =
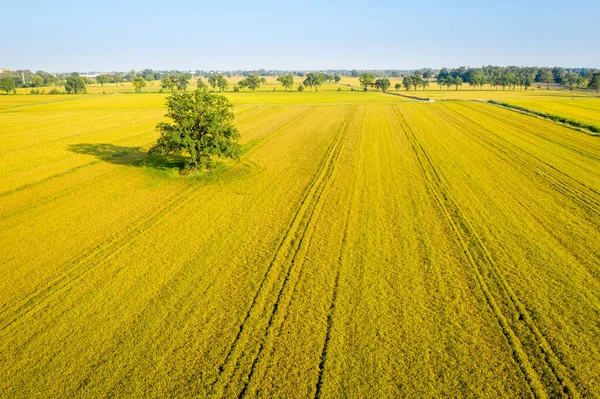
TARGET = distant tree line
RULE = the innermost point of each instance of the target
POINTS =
(512, 77)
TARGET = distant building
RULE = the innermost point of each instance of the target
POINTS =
(2, 70)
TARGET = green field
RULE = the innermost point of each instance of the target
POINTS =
(365, 245)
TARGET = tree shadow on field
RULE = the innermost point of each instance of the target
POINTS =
(132, 156)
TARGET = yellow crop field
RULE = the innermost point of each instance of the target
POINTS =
(364, 245)
(581, 109)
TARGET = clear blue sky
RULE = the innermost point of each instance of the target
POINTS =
(61, 36)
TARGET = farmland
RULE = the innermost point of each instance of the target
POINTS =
(365, 245)
(581, 109)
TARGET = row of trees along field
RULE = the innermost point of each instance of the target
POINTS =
(512, 77)
(171, 81)
(508, 77)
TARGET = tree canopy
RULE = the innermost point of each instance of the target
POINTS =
(383, 84)
(75, 84)
(548, 78)
(287, 81)
(201, 84)
(407, 82)
(313, 80)
(102, 79)
(139, 83)
(167, 83)
(477, 79)
(251, 81)
(595, 82)
(201, 126)
(366, 79)
(7, 84)
(37, 81)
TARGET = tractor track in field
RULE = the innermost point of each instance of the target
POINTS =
(512, 151)
(519, 126)
(288, 249)
(332, 302)
(49, 178)
(9, 109)
(77, 187)
(314, 214)
(270, 137)
(327, 340)
(531, 350)
(334, 294)
(119, 335)
(69, 140)
(102, 252)
(331, 308)
(114, 242)
(548, 173)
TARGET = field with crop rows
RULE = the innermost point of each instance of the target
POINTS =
(583, 109)
(365, 245)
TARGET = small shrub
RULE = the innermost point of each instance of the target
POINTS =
(55, 91)
(339, 89)
(301, 88)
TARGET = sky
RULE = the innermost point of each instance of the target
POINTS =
(83, 36)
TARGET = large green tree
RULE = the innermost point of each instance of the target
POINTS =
(201, 84)
(182, 81)
(37, 81)
(457, 81)
(251, 81)
(416, 80)
(75, 84)
(139, 83)
(407, 82)
(201, 126)
(222, 83)
(166, 83)
(548, 78)
(366, 79)
(313, 80)
(287, 81)
(595, 82)
(212, 81)
(477, 79)
(383, 84)
(50, 80)
(7, 84)
(102, 78)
